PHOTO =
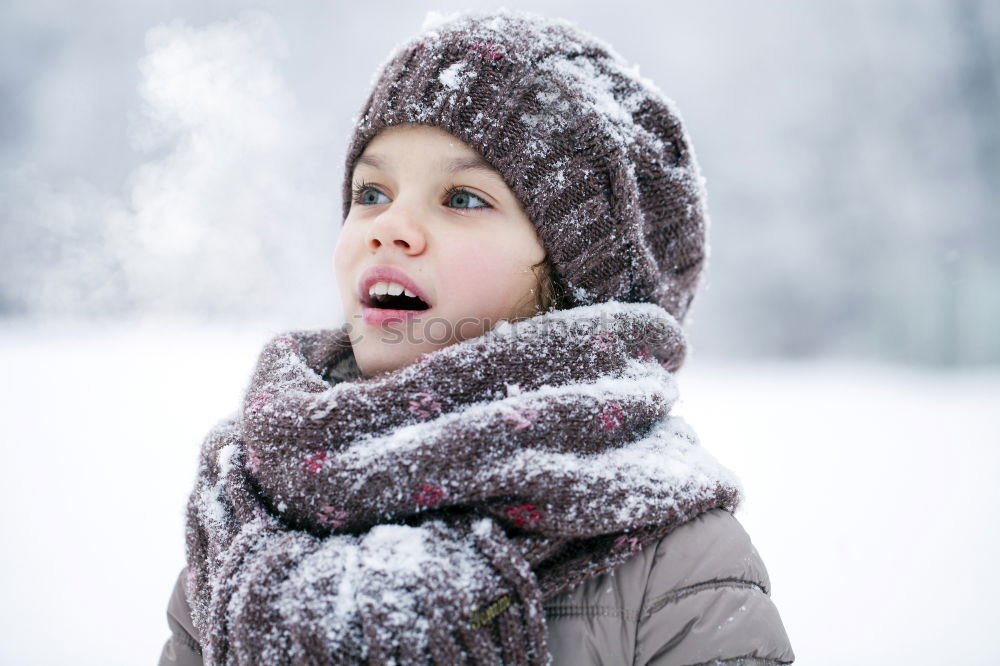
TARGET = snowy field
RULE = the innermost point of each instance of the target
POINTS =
(872, 492)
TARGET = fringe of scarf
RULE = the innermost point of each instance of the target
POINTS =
(424, 515)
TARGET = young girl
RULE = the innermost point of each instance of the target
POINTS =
(481, 466)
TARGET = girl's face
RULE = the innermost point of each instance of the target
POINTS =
(435, 248)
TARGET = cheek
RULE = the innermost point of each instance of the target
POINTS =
(346, 249)
(346, 254)
(489, 281)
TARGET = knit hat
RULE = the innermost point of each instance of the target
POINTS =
(597, 156)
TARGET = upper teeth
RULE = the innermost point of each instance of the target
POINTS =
(390, 288)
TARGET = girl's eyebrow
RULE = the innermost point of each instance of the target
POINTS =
(373, 161)
(472, 163)
(454, 165)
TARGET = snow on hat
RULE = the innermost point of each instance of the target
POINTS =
(596, 154)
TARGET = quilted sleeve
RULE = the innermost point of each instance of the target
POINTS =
(183, 647)
(707, 600)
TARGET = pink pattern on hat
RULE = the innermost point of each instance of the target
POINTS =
(428, 494)
(603, 341)
(611, 416)
(627, 542)
(257, 402)
(332, 516)
(288, 342)
(523, 513)
(488, 50)
(521, 417)
(253, 460)
(424, 405)
(315, 461)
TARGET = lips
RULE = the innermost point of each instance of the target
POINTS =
(388, 294)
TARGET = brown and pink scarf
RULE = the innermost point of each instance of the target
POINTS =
(424, 515)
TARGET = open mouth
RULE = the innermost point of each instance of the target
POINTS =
(393, 296)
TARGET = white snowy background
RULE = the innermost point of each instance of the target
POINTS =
(169, 198)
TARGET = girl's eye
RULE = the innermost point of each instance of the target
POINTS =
(367, 195)
(459, 198)
(456, 197)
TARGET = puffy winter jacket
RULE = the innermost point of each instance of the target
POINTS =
(701, 596)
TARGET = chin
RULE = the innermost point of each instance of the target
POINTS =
(377, 358)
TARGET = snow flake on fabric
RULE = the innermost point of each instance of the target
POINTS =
(453, 77)
(225, 459)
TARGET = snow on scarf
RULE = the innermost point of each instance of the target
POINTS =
(424, 515)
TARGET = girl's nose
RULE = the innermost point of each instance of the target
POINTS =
(396, 227)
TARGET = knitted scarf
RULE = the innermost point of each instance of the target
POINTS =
(425, 514)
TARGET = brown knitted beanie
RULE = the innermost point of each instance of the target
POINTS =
(596, 154)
